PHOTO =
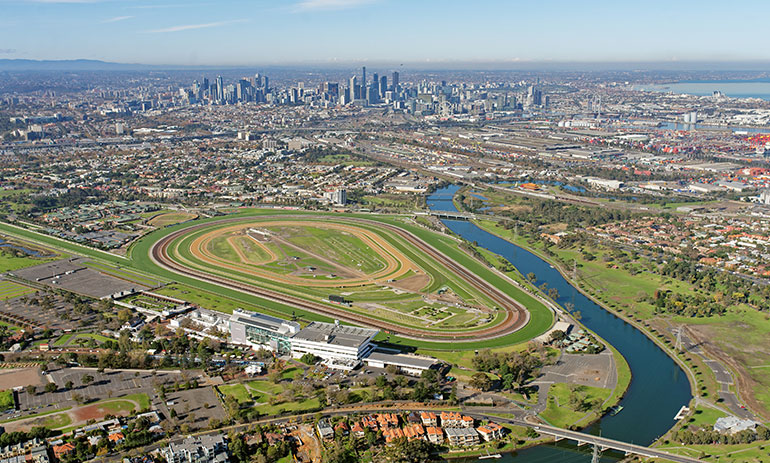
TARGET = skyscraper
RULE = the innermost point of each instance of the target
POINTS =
(220, 96)
(395, 81)
(383, 85)
(354, 92)
(363, 77)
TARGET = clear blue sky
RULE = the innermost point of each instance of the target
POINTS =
(254, 32)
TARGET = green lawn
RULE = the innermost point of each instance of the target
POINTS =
(57, 421)
(63, 340)
(705, 417)
(141, 398)
(237, 391)
(756, 452)
(10, 290)
(6, 400)
(559, 412)
(117, 406)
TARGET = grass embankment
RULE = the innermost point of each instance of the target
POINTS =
(626, 286)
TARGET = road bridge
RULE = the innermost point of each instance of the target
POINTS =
(601, 442)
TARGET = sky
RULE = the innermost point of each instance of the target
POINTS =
(285, 32)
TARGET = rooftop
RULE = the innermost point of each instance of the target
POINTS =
(340, 335)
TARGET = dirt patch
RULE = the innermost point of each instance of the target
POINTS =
(95, 412)
(18, 378)
(413, 283)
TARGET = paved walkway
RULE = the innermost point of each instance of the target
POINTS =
(723, 377)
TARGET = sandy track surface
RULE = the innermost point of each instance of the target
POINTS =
(516, 315)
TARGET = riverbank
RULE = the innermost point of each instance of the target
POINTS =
(644, 329)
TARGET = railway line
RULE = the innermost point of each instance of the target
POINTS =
(516, 316)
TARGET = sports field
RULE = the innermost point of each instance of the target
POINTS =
(379, 275)
(370, 271)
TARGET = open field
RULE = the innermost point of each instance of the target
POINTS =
(571, 404)
(314, 258)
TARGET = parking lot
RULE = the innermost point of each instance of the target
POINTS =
(73, 275)
(194, 407)
(48, 318)
(586, 370)
(109, 384)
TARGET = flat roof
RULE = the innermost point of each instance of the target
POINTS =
(339, 335)
(402, 360)
(263, 321)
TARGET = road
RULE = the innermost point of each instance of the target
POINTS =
(723, 377)
(389, 407)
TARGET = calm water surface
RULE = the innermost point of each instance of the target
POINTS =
(659, 386)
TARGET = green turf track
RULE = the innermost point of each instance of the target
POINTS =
(541, 317)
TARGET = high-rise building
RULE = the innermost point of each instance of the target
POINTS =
(395, 81)
(354, 92)
(220, 95)
(383, 85)
(363, 76)
(340, 197)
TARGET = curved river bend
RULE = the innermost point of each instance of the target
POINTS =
(659, 386)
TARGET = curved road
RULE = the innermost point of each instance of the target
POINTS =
(516, 315)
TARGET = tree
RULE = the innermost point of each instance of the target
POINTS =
(338, 453)
(405, 451)
(87, 379)
(51, 387)
(558, 335)
(31, 390)
(68, 385)
(531, 277)
(481, 382)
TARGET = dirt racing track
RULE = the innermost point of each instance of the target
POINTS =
(397, 264)
(515, 315)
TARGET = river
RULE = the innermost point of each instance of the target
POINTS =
(659, 386)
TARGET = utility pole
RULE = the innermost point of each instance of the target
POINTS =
(597, 455)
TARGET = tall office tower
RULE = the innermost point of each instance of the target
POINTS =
(383, 85)
(354, 93)
(205, 86)
(267, 84)
(395, 81)
(243, 90)
(363, 77)
(220, 89)
(257, 79)
(375, 97)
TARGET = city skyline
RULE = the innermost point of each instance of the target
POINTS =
(236, 32)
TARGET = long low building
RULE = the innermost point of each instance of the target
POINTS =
(409, 364)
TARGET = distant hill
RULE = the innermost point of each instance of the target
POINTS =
(67, 65)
